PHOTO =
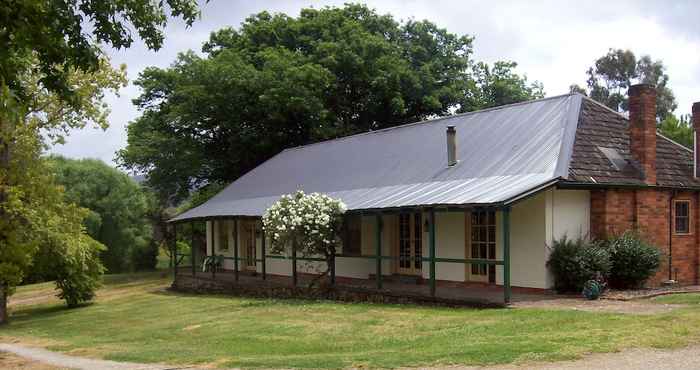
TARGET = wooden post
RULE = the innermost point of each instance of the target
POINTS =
(173, 252)
(378, 249)
(193, 252)
(431, 229)
(506, 255)
(235, 249)
(294, 262)
(332, 267)
(262, 248)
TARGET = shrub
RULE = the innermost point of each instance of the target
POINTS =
(574, 262)
(633, 260)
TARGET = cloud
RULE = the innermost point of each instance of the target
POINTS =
(553, 42)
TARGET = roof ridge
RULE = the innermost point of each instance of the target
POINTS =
(673, 141)
(432, 120)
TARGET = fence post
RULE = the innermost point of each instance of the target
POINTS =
(262, 248)
(506, 255)
(235, 249)
(378, 249)
(431, 229)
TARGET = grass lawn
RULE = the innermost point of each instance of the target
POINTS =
(134, 319)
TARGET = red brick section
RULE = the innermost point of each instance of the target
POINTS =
(614, 211)
(696, 127)
(642, 104)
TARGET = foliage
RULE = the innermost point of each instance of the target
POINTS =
(62, 36)
(678, 129)
(573, 262)
(200, 196)
(280, 81)
(39, 219)
(612, 74)
(119, 211)
(310, 223)
(499, 85)
(633, 260)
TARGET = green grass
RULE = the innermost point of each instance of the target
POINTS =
(134, 319)
(685, 298)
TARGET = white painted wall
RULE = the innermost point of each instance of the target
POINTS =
(449, 243)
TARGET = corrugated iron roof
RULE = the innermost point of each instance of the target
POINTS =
(503, 152)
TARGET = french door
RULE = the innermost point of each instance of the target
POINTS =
(248, 244)
(483, 245)
(410, 243)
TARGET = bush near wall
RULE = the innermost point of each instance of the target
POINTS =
(626, 261)
(573, 262)
(634, 261)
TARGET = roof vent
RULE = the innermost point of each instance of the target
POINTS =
(451, 146)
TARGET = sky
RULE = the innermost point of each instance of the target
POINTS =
(553, 42)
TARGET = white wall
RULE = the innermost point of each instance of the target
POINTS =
(449, 243)
(527, 243)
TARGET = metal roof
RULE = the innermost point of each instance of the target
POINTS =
(503, 152)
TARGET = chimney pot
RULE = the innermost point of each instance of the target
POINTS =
(642, 106)
(451, 146)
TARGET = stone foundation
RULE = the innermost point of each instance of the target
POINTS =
(266, 289)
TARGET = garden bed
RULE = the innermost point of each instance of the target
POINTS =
(632, 294)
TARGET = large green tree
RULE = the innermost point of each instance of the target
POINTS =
(281, 81)
(119, 210)
(613, 73)
(42, 44)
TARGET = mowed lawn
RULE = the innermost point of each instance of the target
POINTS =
(136, 319)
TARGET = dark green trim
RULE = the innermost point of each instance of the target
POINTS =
(378, 249)
(262, 252)
(235, 249)
(505, 217)
(295, 278)
(431, 258)
(193, 251)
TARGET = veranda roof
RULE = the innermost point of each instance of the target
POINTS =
(503, 153)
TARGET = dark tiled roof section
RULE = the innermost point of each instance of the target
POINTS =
(600, 127)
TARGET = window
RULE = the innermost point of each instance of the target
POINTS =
(352, 236)
(483, 239)
(222, 230)
(681, 218)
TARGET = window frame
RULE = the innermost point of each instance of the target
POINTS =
(688, 217)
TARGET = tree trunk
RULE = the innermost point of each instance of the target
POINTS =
(3, 304)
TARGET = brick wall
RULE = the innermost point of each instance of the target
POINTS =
(614, 211)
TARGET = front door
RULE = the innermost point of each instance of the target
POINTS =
(410, 243)
(248, 244)
(482, 245)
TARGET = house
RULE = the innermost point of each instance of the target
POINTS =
(478, 197)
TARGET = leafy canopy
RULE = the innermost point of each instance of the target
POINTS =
(612, 74)
(281, 81)
(119, 209)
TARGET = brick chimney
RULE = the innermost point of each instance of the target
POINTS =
(696, 128)
(642, 104)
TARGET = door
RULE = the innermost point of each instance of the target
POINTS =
(410, 248)
(482, 226)
(248, 244)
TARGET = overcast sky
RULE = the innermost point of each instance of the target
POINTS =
(553, 42)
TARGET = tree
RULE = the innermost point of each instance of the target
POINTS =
(678, 129)
(45, 41)
(38, 219)
(280, 81)
(499, 85)
(309, 225)
(118, 211)
(612, 74)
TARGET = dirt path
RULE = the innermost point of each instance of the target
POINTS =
(62, 361)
